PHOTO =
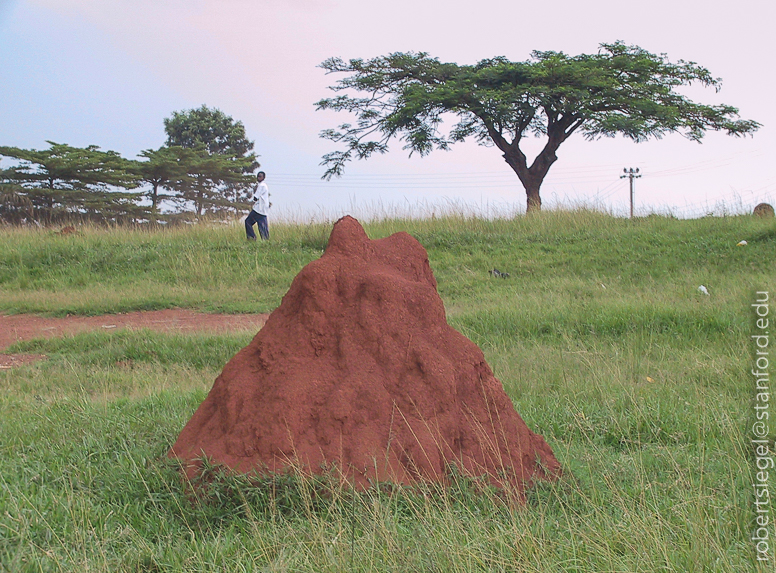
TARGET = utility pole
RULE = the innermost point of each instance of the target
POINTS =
(630, 174)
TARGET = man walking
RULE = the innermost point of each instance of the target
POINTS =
(259, 212)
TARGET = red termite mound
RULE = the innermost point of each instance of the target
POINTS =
(357, 369)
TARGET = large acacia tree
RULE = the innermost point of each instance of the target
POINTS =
(620, 90)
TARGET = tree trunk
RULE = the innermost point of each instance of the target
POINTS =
(154, 201)
(531, 178)
(534, 200)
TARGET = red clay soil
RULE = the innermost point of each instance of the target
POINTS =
(358, 370)
(8, 361)
(17, 327)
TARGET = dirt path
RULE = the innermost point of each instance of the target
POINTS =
(18, 327)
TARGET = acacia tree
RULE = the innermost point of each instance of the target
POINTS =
(620, 90)
(213, 182)
(164, 169)
(64, 181)
(222, 164)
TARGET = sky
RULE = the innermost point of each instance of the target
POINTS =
(107, 73)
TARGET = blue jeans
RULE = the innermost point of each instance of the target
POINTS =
(254, 217)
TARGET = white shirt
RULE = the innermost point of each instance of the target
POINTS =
(261, 198)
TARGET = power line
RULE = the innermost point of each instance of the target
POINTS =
(577, 171)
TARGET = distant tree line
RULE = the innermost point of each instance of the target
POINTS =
(206, 166)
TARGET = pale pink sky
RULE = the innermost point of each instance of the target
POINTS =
(107, 72)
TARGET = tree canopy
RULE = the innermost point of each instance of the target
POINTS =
(63, 181)
(218, 132)
(619, 90)
(205, 164)
(221, 165)
(163, 169)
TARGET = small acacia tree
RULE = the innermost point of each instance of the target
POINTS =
(214, 182)
(165, 169)
(620, 90)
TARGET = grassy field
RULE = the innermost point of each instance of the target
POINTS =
(639, 382)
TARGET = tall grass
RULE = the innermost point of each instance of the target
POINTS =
(599, 335)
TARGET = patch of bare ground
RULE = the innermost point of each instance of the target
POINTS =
(11, 360)
(20, 327)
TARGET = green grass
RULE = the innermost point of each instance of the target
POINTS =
(600, 337)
